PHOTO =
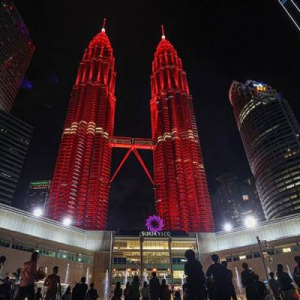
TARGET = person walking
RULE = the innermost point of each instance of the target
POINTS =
(5, 290)
(220, 277)
(275, 286)
(80, 289)
(285, 282)
(118, 291)
(231, 285)
(67, 295)
(249, 282)
(195, 281)
(261, 288)
(53, 285)
(92, 293)
(29, 274)
(154, 287)
(145, 291)
(127, 291)
(164, 292)
(135, 288)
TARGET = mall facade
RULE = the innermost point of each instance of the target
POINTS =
(106, 258)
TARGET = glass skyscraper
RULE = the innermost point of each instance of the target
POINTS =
(271, 137)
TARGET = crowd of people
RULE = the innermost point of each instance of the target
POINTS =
(215, 284)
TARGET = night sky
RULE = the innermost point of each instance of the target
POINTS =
(218, 41)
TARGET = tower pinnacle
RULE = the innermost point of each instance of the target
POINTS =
(103, 25)
(163, 32)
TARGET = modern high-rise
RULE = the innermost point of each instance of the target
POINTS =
(181, 191)
(16, 51)
(292, 9)
(37, 195)
(80, 186)
(234, 200)
(15, 136)
(271, 137)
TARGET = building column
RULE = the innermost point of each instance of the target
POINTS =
(141, 258)
(171, 262)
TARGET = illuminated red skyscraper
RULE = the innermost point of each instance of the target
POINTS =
(80, 185)
(181, 192)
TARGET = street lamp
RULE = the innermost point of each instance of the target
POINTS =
(67, 221)
(227, 227)
(38, 212)
(250, 222)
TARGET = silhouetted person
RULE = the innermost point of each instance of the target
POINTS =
(285, 282)
(68, 294)
(92, 293)
(80, 289)
(296, 273)
(135, 288)
(52, 283)
(195, 281)
(118, 291)
(220, 277)
(262, 290)
(145, 291)
(177, 296)
(5, 290)
(127, 291)
(154, 287)
(2, 262)
(231, 285)
(38, 294)
(249, 282)
(164, 292)
(275, 287)
(29, 274)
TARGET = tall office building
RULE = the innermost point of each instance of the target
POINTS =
(80, 186)
(37, 195)
(79, 189)
(15, 136)
(234, 200)
(16, 51)
(292, 10)
(181, 192)
(270, 135)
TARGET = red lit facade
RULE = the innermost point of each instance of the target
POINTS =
(82, 176)
(80, 185)
(181, 192)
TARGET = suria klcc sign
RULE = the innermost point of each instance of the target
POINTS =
(155, 226)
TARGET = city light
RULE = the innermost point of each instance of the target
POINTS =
(67, 221)
(38, 212)
(250, 222)
(227, 227)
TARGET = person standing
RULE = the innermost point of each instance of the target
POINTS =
(135, 288)
(145, 291)
(285, 282)
(262, 290)
(231, 285)
(249, 282)
(118, 291)
(92, 293)
(29, 274)
(53, 285)
(154, 287)
(164, 292)
(67, 295)
(195, 281)
(127, 291)
(5, 290)
(38, 294)
(275, 287)
(220, 277)
(296, 273)
(2, 263)
(80, 289)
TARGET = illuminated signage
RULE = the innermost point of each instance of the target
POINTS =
(155, 234)
(155, 224)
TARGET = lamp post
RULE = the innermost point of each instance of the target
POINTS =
(262, 256)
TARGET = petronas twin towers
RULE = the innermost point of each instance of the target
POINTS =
(82, 177)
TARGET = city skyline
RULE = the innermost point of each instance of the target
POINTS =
(214, 137)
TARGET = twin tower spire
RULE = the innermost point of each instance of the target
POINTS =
(82, 176)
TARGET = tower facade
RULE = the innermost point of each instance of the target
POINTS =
(181, 192)
(16, 51)
(271, 137)
(80, 185)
